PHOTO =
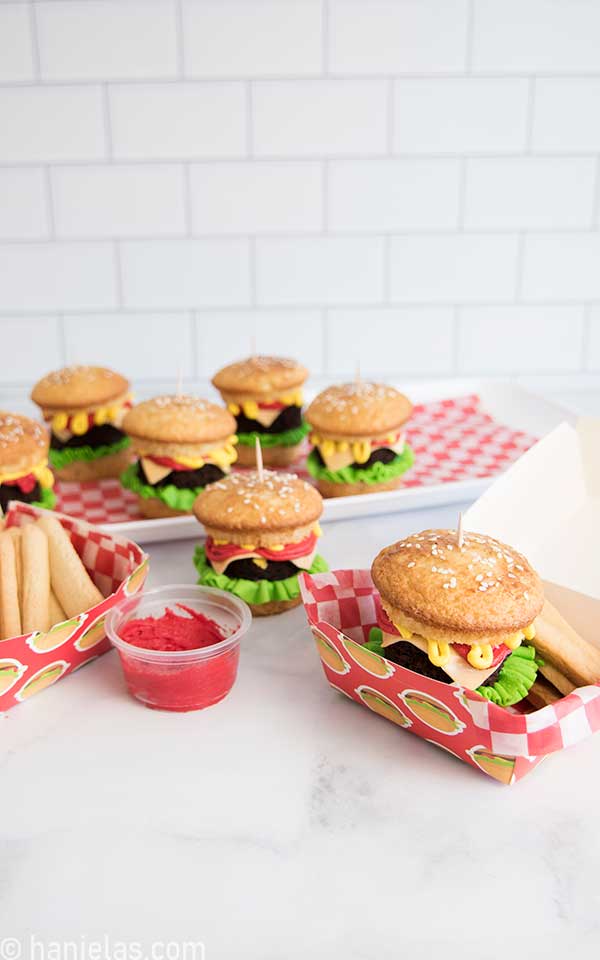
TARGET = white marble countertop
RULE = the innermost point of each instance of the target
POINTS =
(285, 822)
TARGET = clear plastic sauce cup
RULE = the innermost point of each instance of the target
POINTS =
(181, 679)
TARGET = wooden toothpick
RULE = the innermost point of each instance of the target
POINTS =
(460, 534)
(259, 460)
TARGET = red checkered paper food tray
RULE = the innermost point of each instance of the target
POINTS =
(503, 743)
(453, 440)
(34, 661)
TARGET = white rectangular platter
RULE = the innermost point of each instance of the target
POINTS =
(506, 403)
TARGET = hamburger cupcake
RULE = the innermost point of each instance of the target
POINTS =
(260, 534)
(358, 437)
(182, 444)
(84, 407)
(264, 394)
(24, 472)
(458, 613)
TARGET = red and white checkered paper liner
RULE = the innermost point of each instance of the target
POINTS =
(340, 607)
(452, 439)
(117, 566)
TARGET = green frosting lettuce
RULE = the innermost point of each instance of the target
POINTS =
(174, 497)
(513, 683)
(516, 678)
(47, 499)
(252, 591)
(289, 438)
(377, 472)
(62, 458)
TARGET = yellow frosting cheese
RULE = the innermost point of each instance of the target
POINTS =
(223, 456)
(79, 423)
(41, 472)
(250, 408)
(338, 454)
(480, 656)
(438, 652)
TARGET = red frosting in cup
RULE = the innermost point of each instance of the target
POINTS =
(172, 631)
(186, 685)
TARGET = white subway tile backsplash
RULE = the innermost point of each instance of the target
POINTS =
(16, 50)
(567, 115)
(397, 36)
(232, 334)
(464, 115)
(57, 276)
(147, 346)
(319, 117)
(172, 121)
(389, 195)
(107, 39)
(182, 274)
(34, 348)
(120, 200)
(334, 178)
(256, 197)
(453, 269)
(49, 124)
(23, 203)
(517, 339)
(392, 341)
(252, 37)
(592, 358)
(319, 270)
(533, 193)
(511, 36)
(562, 267)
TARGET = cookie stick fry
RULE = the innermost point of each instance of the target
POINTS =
(542, 694)
(36, 579)
(10, 617)
(562, 647)
(15, 533)
(57, 614)
(70, 581)
(556, 678)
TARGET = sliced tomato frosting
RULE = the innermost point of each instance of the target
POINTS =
(219, 553)
(168, 462)
(499, 652)
(25, 484)
(272, 405)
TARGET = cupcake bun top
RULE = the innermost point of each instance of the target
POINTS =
(260, 375)
(178, 419)
(78, 386)
(458, 594)
(23, 443)
(242, 502)
(358, 409)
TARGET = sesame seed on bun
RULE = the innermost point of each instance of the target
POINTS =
(480, 591)
(243, 503)
(23, 443)
(358, 409)
(178, 419)
(78, 387)
(260, 376)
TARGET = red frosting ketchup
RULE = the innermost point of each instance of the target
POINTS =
(173, 632)
(291, 551)
(178, 683)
